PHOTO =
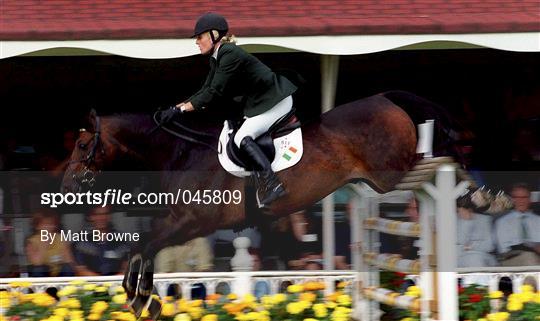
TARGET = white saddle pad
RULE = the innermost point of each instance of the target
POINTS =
(289, 150)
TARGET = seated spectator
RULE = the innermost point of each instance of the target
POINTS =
(474, 241)
(46, 258)
(104, 257)
(221, 241)
(261, 288)
(518, 232)
(193, 256)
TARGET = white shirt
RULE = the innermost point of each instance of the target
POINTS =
(511, 228)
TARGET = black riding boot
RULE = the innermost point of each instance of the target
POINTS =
(269, 184)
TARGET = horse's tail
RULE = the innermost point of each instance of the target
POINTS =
(446, 128)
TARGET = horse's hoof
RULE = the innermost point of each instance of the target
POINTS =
(139, 304)
(154, 309)
(131, 277)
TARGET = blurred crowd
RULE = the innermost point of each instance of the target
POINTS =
(289, 243)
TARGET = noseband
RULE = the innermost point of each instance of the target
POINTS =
(86, 175)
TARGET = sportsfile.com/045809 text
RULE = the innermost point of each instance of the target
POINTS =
(119, 197)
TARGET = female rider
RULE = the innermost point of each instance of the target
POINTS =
(233, 73)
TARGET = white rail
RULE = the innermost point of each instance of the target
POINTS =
(274, 279)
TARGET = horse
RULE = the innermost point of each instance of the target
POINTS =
(372, 139)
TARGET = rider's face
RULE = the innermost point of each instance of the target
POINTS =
(204, 42)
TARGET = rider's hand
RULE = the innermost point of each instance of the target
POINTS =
(169, 114)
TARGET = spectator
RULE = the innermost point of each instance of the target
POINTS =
(193, 256)
(410, 245)
(221, 241)
(102, 257)
(261, 288)
(474, 241)
(46, 258)
(518, 232)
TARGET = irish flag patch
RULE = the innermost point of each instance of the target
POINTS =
(289, 153)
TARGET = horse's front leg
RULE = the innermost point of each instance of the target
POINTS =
(174, 231)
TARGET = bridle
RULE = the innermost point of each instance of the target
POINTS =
(86, 175)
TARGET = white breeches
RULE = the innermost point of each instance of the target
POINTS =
(257, 125)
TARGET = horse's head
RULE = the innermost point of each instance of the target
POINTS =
(87, 158)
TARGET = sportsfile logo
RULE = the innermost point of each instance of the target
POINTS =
(119, 197)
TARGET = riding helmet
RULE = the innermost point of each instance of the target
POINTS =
(211, 21)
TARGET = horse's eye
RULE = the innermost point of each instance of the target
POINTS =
(82, 146)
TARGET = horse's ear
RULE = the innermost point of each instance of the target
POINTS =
(92, 118)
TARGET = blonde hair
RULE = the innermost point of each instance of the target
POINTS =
(226, 39)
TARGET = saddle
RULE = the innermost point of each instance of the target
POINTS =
(284, 126)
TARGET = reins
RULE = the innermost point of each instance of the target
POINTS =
(159, 125)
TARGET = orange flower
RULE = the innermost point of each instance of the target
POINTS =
(214, 297)
(307, 296)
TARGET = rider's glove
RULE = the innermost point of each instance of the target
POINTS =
(169, 114)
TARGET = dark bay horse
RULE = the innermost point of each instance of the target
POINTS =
(372, 139)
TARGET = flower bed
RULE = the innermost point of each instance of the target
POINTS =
(81, 301)
(477, 304)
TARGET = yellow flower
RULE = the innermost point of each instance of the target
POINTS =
(20, 284)
(210, 317)
(499, 316)
(89, 287)
(314, 286)
(168, 310)
(249, 298)
(43, 299)
(4, 303)
(62, 312)
(254, 316)
(280, 297)
(182, 317)
(99, 306)
(537, 298)
(320, 310)
(413, 291)
(196, 303)
(527, 296)
(119, 298)
(67, 291)
(526, 288)
(295, 288)
(77, 282)
(94, 317)
(310, 319)
(195, 312)
(232, 296)
(119, 289)
(78, 314)
(71, 303)
(295, 307)
(344, 300)
(100, 289)
(307, 296)
(496, 295)
(407, 319)
(342, 284)
(514, 306)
